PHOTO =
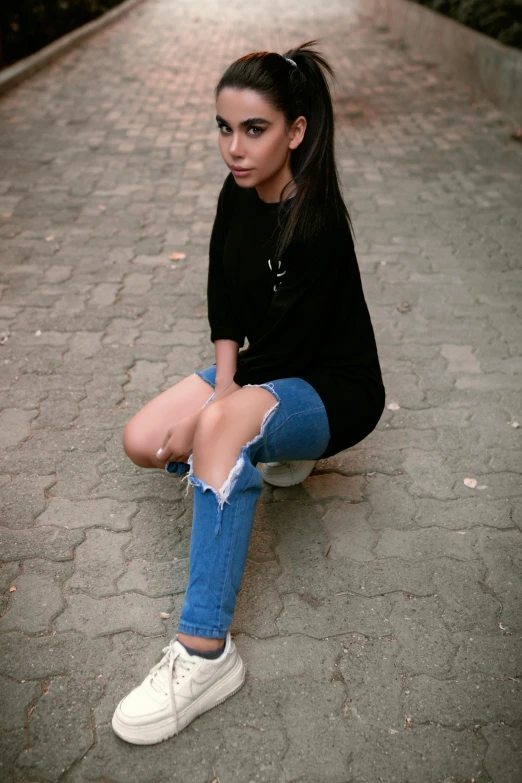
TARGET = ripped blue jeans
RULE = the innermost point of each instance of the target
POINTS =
(295, 428)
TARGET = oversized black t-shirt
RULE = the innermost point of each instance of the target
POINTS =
(304, 315)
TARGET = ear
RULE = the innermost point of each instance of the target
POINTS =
(297, 132)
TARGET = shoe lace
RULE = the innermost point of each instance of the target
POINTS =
(171, 669)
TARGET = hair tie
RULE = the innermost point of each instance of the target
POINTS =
(292, 62)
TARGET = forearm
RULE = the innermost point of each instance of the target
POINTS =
(226, 364)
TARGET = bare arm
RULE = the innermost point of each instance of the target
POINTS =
(226, 365)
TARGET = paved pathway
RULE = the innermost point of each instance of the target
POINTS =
(380, 615)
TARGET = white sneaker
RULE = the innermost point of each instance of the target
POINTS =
(287, 474)
(178, 689)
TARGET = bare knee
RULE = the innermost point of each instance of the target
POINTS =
(137, 445)
(212, 424)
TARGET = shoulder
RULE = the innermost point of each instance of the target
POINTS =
(331, 245)
(229, 193)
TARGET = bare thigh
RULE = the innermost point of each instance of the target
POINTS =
(145, 432)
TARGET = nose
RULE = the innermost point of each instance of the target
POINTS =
(236, 147)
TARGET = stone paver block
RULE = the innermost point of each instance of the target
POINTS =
(183, 759)
(22, 499)
(49, 542)
(76, 476)
(314, 715)
(60, 728)
(430, 477)
(161, 530)
(503, 759)
(379, 577)
(426, 646)
(334, 485)
(373, 680)
(104, 513)
(502, 555)
(15, 699)
(467, 604)
(348, 531)
(182, 361)
(147, 376)
(265, 753)
(391, 504)
(11, 744)
(333, 615)
(40, 657)
(463, 701)
(426, 543)
(464, 513)
(101, 616)
(258, 604)
(15, 426)
(497, 654)
(277, 657)
(155, 579)
(429, 753)
(37, 599)
(461, 359)
(98, 563)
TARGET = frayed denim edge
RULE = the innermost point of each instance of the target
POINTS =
(223, 493)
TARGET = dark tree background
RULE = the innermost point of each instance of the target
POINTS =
(28, 25)
(501, 19)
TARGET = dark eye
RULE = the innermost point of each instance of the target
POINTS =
(223, 129)
(257, 130)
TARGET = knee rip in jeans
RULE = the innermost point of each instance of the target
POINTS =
(223, 493)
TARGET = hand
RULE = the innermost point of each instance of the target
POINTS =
(178, 442)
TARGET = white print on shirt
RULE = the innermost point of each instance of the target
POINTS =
(279, 274)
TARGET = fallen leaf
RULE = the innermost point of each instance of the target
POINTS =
(7, 214)
(407, 722)
(502, 628)
(403, 307)
(471, 483)
(102, 208)
(4, 339)
(393, 406)
(517, 134)
(38, 333)
(49, 238)
(393, 731)
(12, 589)
(515, 425)
(177, 256)
(164, 615)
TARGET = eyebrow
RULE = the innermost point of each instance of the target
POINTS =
(245, 123)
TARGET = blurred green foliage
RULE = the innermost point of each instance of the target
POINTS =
(501, 19)
(28, 25)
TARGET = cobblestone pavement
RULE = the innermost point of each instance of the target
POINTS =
(380, 615)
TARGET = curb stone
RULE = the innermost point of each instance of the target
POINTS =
(489, 67)
(22, 69)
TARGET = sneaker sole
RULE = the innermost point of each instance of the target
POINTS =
(217, 694)
(287, 479)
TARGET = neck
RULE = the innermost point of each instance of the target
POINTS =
(270, 191)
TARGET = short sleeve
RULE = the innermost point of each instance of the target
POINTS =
(222, 316)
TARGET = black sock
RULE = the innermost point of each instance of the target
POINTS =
(210, 654)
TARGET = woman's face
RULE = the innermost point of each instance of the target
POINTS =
(254, 142)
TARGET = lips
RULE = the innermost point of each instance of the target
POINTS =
(239, 169)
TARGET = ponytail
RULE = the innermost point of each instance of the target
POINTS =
(296, 84)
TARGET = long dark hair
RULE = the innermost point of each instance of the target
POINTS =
(295, 90)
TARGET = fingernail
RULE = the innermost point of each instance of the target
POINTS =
(158, 453)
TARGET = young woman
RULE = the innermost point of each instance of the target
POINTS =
(283, 275)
